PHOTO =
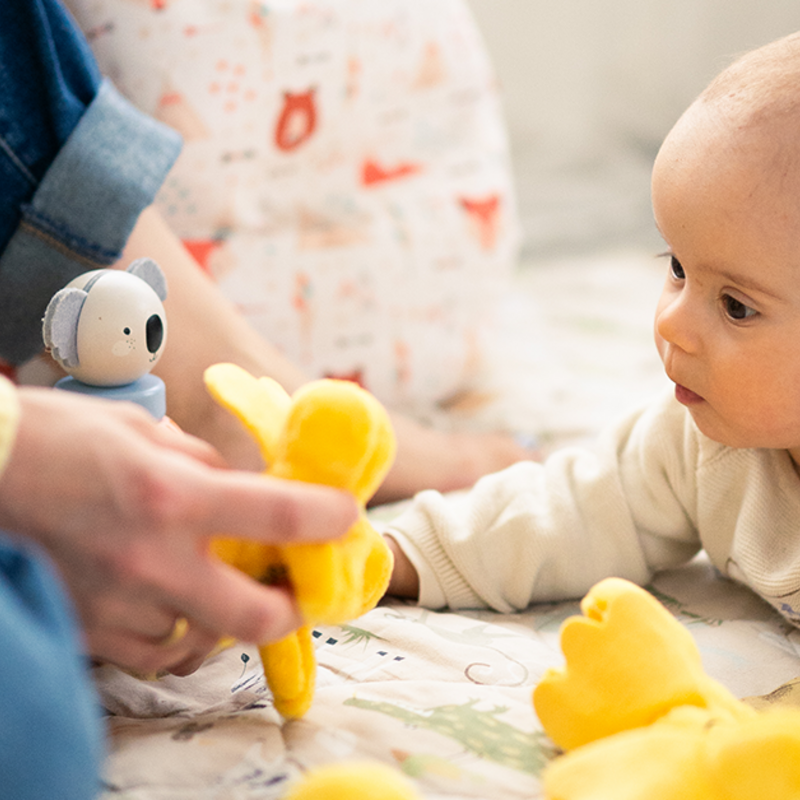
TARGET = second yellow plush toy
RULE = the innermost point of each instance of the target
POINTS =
(367, 780)
(329, 432)
(641, 719)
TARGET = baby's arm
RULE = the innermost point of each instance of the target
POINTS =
(546, 532)
(405, 580)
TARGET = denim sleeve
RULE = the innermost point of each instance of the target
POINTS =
(48, 77)
(83, 201)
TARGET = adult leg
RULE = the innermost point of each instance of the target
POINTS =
(50, 731)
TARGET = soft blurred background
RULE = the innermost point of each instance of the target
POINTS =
(591, 89)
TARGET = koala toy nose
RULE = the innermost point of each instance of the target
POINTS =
(155, 333)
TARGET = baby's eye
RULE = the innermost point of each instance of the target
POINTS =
(676, 269)
(736, 309)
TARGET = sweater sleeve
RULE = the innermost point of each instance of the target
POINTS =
(9, 416)
(545, 532)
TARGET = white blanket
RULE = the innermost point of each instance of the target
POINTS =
(446, 698)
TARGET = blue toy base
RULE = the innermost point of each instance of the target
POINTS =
(148, 392)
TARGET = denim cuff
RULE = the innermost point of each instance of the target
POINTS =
(81, 215)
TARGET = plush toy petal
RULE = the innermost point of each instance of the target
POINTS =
(660, 762)
(353, 781)
(336, 434)
(260, 561)
(628, 662)
(377, 572)
(687, 755)
(290, 670)
(261, 404)
(759, 758)
(335, 582)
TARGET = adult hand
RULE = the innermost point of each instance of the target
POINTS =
(125, 507)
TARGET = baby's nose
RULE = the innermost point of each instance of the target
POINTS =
(674, 325)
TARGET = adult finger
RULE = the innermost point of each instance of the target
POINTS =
(132, 653)
(168, 434)
(251, 506)
(109, 610)
(189, 652)
(147, 655)
(192, 662)
(227, 602)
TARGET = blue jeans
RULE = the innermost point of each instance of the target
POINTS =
(50, 728)
(78, 163)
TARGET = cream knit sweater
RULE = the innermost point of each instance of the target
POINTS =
(651, 495)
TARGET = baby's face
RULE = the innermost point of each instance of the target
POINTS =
(727, 325)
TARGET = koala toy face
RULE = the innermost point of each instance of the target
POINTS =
(107, 327)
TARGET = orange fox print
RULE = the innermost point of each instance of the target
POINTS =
(258, 18)
(372, 172)
(297, 121)
(484, 217)
(201, 251)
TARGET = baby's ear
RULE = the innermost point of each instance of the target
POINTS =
(150, 273)
(60, 326)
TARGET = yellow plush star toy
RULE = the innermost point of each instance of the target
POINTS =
(329, 432)
(641, 720)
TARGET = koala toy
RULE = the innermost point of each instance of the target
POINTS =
(107, 329)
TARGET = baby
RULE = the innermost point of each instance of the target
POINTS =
(717, 465)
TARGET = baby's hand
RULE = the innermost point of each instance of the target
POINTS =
(404, 581)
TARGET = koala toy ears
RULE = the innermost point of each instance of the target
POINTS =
(60, 323)
(151, 274)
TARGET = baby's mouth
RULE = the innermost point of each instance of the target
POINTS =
(686, 396)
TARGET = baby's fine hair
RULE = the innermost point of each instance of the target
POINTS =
(761, 85)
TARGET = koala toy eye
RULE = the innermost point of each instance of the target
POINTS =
(126, 331)
(155, 333)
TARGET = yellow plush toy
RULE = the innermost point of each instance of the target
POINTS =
(642, 721)
(368, 780)
(329, 432)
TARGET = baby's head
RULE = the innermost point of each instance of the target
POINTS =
(726, 198)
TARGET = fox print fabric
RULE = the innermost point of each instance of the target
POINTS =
(344, 178)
